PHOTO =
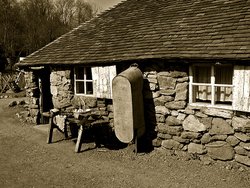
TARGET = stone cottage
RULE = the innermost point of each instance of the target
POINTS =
(195, 60)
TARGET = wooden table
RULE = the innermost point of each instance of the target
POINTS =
(83, 124)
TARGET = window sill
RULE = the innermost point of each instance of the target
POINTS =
(219, 106)
(84, 95)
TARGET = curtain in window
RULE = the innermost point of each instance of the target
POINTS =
(223, 75)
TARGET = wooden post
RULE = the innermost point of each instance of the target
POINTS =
(212, 86)
(190, 85)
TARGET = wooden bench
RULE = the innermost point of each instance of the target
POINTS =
(86, 123)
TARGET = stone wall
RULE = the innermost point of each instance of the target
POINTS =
(208, 133)
(32, 92)
(63, 98)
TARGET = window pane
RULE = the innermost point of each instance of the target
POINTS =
(202, 74)
(80, 87)
(223, 95)
(88, 73)
(89, 88)
(202, 93)
(223, 74)
(79, 71)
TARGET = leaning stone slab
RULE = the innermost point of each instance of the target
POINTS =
(191, 123)
(220, 126)
(228, 114)
(196, 148)
(242, 159)
(220, 150)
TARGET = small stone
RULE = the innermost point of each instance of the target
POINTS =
(201, 115)
(242, 159)
(181, 91)
(160, 118)
(206, 160)
(206, 138)
(160, 101)
(240, 150)
(174, 113)
(171, 144)
(232, 140)
(164, 136)
(172, 121)
(181, 116)
(241, 124)
(196, 148)
(176, 105)
(181, 140)
(168, 92)
(220, 150)
(191, 123)
(172, 130)
(218, 137)
(156, 142)
(242, 137)
(228, 114)
(161, 110)
(220, 126)
(190, 135)
(166, 82)
(245, 145)
(189, 110)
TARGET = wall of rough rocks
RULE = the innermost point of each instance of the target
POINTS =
(32, 93)
(63, 98)
(208, 133)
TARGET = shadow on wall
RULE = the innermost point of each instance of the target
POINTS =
(145, 143)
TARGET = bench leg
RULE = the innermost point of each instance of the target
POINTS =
(79, 140)
(50, 131)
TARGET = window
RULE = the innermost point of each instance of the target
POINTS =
(211, 84)
(83, 81)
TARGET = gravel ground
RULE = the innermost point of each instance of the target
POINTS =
(27, 161)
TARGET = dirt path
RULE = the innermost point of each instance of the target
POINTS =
(27, 161)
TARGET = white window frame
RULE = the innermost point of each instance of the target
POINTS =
(212, 84)
(84, 80)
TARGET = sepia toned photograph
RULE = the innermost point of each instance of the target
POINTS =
(125, 93)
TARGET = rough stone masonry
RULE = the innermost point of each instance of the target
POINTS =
(216, 134)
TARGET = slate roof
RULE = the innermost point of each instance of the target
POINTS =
(139, 29)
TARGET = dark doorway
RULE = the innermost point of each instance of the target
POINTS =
(45, 99)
